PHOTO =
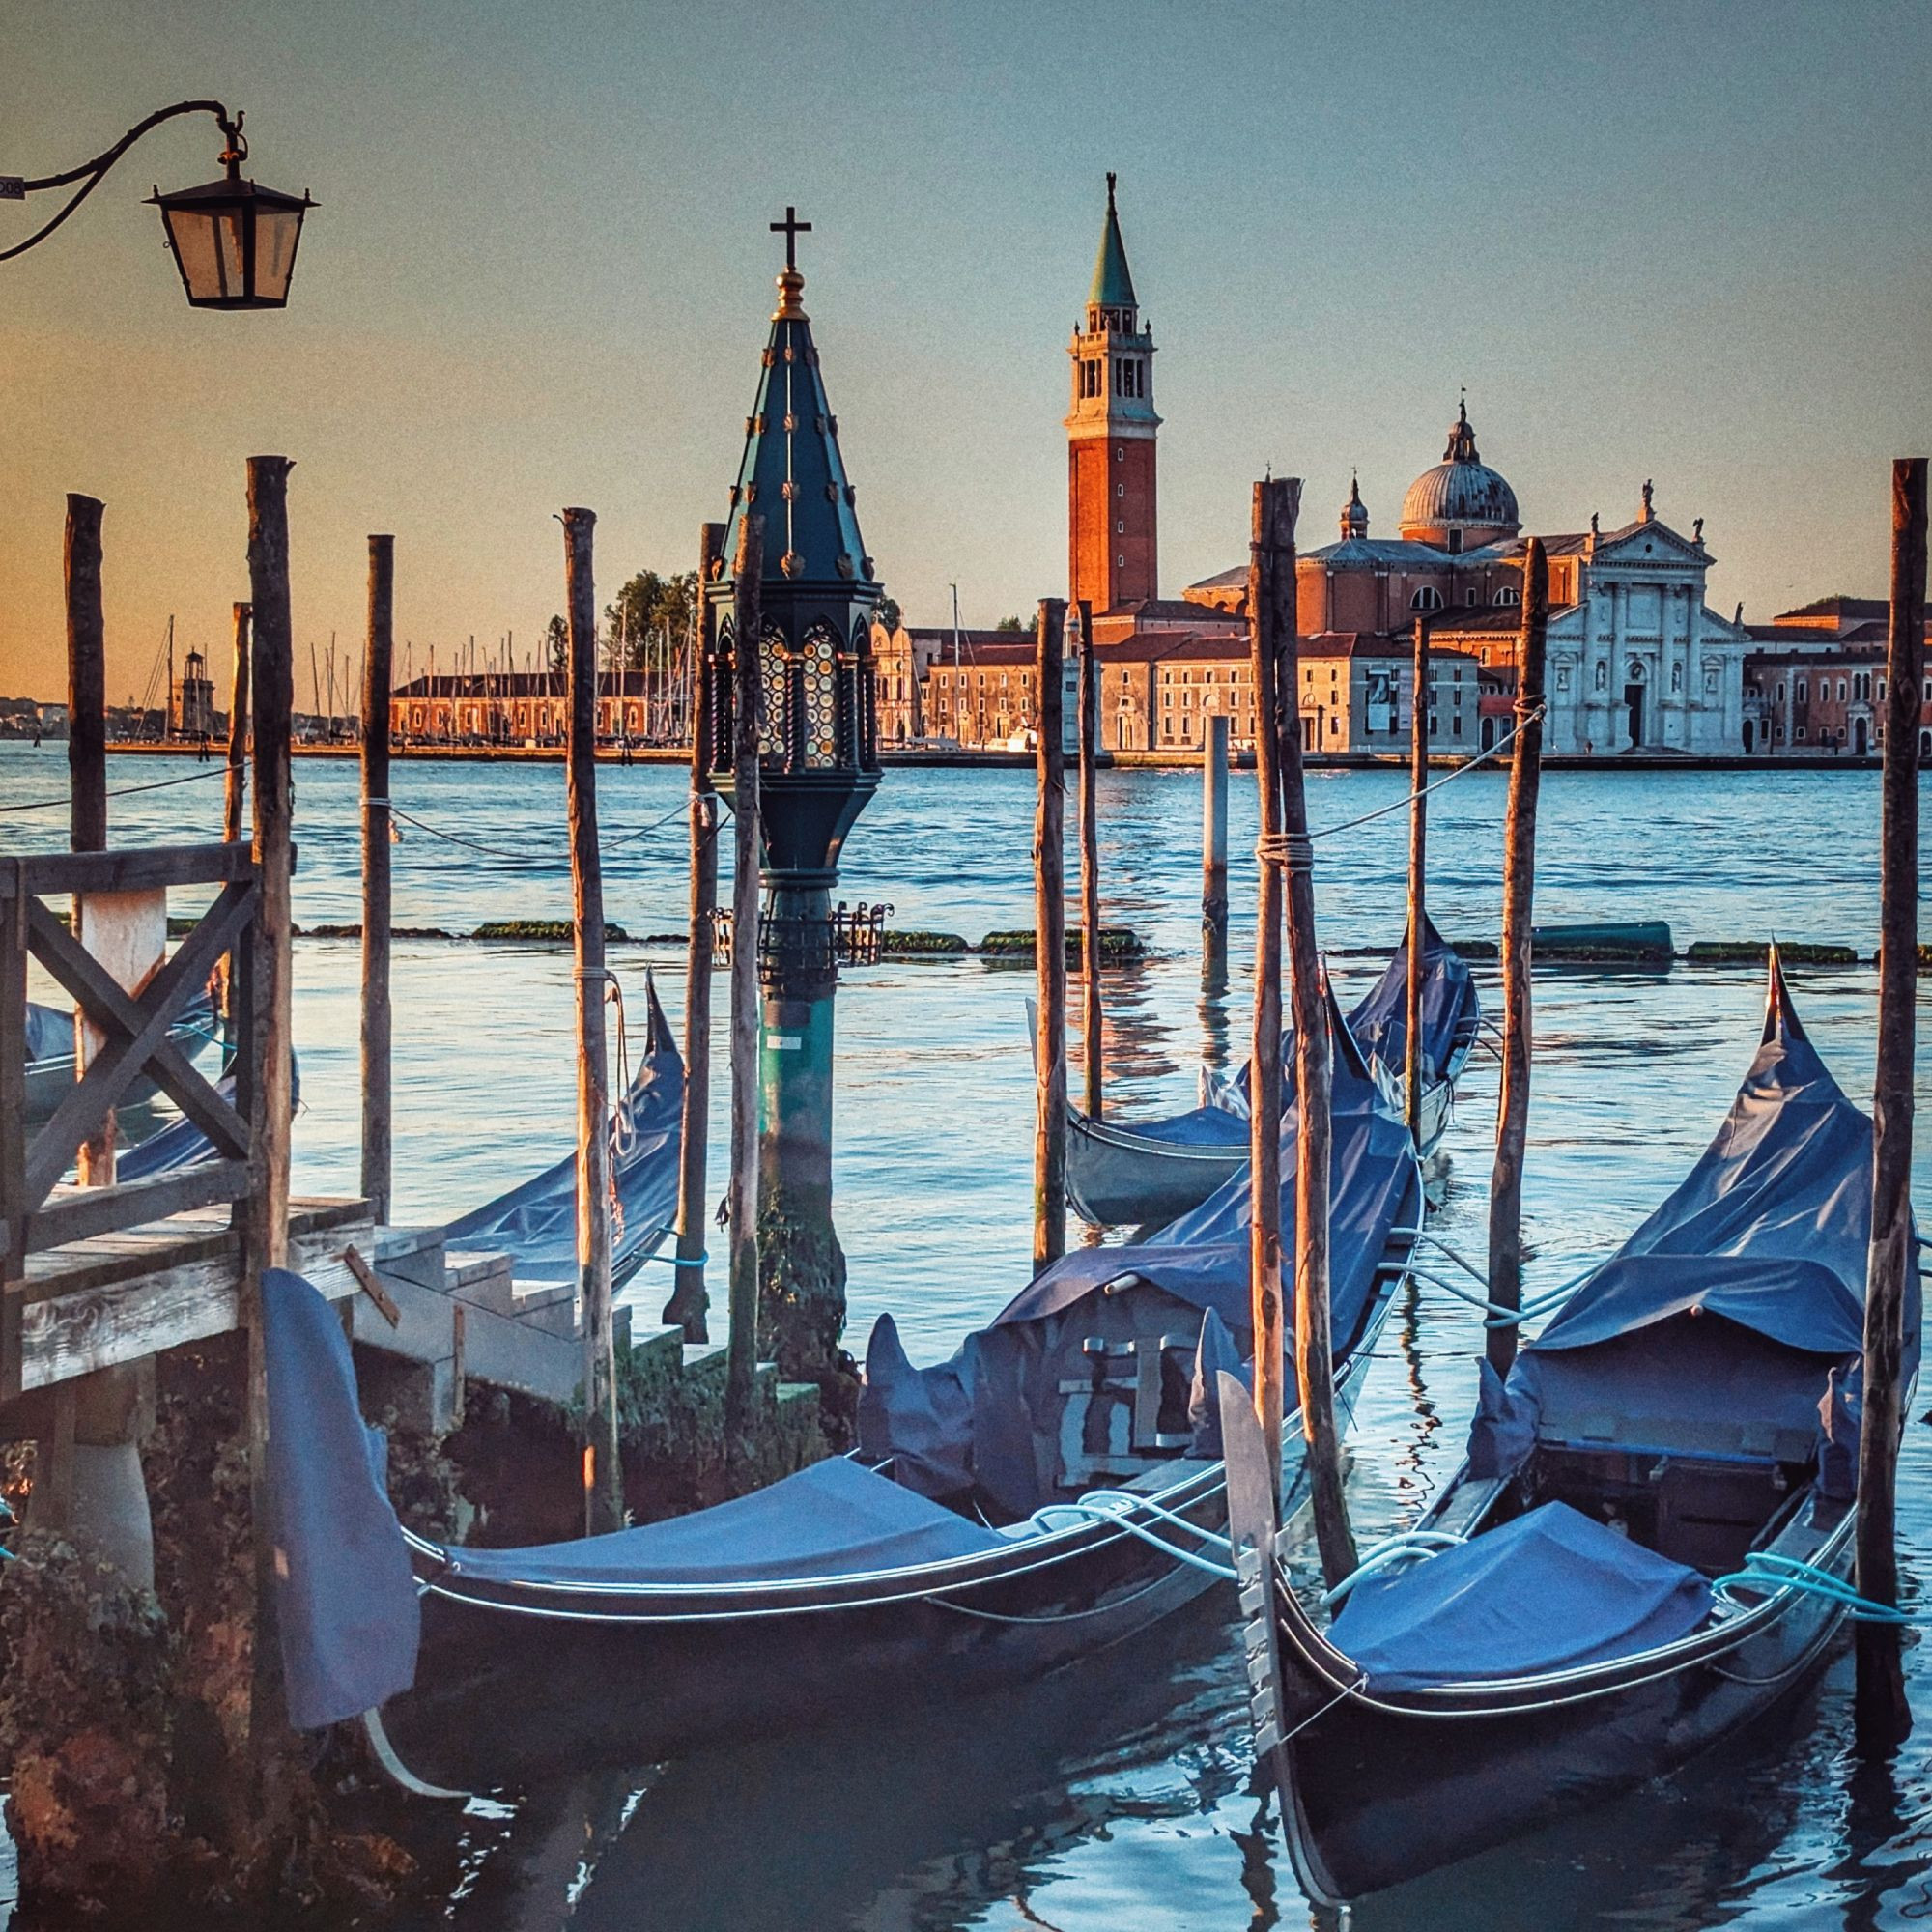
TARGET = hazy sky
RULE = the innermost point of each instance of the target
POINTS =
(1675, 240)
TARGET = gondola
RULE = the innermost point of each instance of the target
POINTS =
(1054, 1486)
(535, 1222)
(1140, 1173)
(50, 1057)
(1631, 1561)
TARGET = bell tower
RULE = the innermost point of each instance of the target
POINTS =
(1111, 554)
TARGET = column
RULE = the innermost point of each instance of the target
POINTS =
(1616, 722)
(1700, 719)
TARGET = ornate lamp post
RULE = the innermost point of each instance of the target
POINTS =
(234, 240)
(819, 766)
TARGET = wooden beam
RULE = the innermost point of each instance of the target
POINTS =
(741, 1359)
(603, 1472)
(12, 1131)
(1093, 1067)
(84, 1212)
(689, 1303)
(1882, 1715)
(130, 869)
(1519, 894)
(86, 678)
(1418, 853)
(378, 656)
(1049, 904)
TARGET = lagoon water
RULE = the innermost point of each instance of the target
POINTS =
(1118, 1795)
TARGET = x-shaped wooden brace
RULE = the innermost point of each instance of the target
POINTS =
(137, 1030)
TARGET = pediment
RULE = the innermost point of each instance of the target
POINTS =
(1650, 544)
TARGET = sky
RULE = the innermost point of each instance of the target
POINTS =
(1682, 242)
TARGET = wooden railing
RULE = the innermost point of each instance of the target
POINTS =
(136, 1031)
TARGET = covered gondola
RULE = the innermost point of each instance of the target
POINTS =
(1053, 1487)
(535, 1222)
(1647, 1543)
(50, 1057)
(1140, 1173)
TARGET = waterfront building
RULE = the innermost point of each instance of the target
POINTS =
(1815, 682)
(191, 710)
(530, 709)
(1636, 659)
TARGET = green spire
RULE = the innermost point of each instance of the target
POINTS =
(1113, 285)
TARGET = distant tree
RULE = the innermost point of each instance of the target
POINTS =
(556, 641)
(1012, 624)
(888, 613)
(643, 610)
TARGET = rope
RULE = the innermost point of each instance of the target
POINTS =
(218, 770)
(1404, 1545)
(1110, 1514)
(1768, 1572)
(1290, 850)
(1469, 766)
(527, 857)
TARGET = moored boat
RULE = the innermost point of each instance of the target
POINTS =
(1055, 1485)
(1647, 1543)
(1140, 1173)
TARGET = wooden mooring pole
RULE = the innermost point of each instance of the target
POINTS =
(741, 1358)
(265, 1080)
(1883, 1716)
(234, 787)
(689, 1303)
(603, 1472)
(1093, 1059)
(1276, 508)
(378, 1122)
(1418, 850)
(1518, 894)
(87, 754)
(1215, 847)
(1049, 902)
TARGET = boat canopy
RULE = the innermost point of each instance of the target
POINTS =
(1721, 1324)
(535, 1223)
(1450, 1010)
(1549, 1591)
(992, 1418)
(49, 1032)
(832, 1519)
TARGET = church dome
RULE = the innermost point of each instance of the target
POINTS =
(1461, 503)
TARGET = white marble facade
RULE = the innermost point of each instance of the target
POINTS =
(1638, 661)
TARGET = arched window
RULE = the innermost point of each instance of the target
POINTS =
(1428, 598)
(1508, 597)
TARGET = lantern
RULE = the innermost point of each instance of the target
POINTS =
(234, 240)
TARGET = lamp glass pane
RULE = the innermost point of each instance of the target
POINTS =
(194, 237)
(276, 232)
(231, 262)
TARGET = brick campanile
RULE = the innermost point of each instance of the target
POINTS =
(1112, 552)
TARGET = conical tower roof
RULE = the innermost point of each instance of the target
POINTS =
(1113, 284)
(792, 474)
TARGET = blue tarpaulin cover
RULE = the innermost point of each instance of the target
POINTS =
(987, 1419)
(535, 1223)
(345, 1600)
(1450, 1010)
(1549, 1591)
(1768, 1233)
(832, 1519)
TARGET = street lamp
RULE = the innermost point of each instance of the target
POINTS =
(233, 240)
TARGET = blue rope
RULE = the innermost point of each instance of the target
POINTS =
(1767, 1572)
(1099, 1513)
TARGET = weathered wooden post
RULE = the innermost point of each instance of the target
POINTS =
(1883, 1716)
(265, 1084)
(1049, 901)
(378, 1123)
(741, 1360)
(1519, 892)
(1418, 850)
(603, 1472)
(235, 786)
(1094, 1065)
(86, 757)
(1265, 1083)
(1314, 1059)
(689, 1302)
(1215, 847)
